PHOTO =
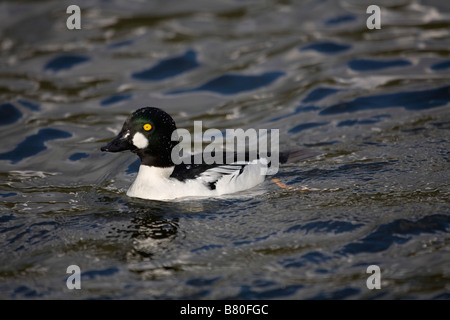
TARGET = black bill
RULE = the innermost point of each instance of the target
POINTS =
(120, 143)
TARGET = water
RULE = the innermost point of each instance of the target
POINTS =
(374, 104)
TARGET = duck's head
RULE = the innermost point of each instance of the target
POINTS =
(148, 133)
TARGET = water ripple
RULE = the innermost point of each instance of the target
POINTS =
(170, 67)
(373, 104)
(398, 232)
(234, 83)
(116, 98)
(411, 100)
(65, 62)
(368, 65)
(441, 65)
(327, 47)
(9, 114)
(326, 226)
(34, 144)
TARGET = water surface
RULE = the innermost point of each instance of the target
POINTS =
(374, 104)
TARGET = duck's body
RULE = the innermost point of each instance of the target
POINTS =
(147, 132)
(161, 183)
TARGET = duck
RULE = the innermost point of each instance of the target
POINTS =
(148, 133)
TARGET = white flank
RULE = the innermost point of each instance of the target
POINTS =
(155, 183)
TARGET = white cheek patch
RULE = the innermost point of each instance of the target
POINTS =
(140, 141)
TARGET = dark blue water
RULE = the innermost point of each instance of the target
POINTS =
(169, 67)
(372, 104)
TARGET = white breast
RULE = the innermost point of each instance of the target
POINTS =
(155, 183)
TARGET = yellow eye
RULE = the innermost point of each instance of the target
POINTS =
(147, 127)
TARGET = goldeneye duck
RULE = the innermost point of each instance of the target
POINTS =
(148, 133)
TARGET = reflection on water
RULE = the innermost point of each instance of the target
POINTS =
(398, 231)
(234, 84)
(170, 67)
(64, 62)
(327, 47)
(409, 100)
(34, 144)
(372, 103)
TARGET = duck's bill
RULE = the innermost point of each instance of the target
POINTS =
(118, 144)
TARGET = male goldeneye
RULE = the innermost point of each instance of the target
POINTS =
(148, 133)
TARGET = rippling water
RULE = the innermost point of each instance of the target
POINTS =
(373, 103)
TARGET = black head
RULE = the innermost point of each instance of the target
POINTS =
(148, 133)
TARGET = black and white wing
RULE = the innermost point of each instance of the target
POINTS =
(209, 174)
